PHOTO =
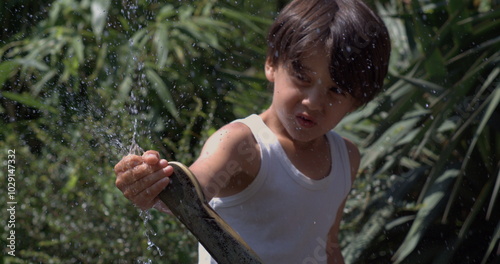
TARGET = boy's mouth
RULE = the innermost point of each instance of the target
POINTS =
(305, 121)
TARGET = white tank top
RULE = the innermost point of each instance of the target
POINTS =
(283, 215)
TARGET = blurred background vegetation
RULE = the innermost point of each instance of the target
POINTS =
(81, 79)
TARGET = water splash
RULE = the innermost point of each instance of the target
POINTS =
(146, 216)
(135, 149)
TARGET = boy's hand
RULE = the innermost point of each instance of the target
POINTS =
(142, 178)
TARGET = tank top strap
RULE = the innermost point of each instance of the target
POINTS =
(264, 136)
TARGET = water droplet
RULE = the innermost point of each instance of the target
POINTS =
(146, 216)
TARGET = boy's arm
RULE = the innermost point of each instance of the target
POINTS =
(333, 249)
(228, 162)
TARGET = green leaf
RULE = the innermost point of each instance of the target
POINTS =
(494, 239)
(380, 220)
(54, 12)
(435, 65)
(138, 36)
(249, 20)
(78, 47)
(388, 141)
(446, 257)
(165, 13)
(163, 92)
(125, 87)
(492, 103)
(459, 31)
(476, 49)
(427, 86)
(431, 206)
(100, 9)
(32, 63)
(495, 101)
(161, 41)
(71, 183)
(35, 89)
(28, 100)
(494, 195)
(6, 69)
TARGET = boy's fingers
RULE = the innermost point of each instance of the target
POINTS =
(151, 157)
(141, 171)
(147, 198)
(132, 186)
(127, 163)
(129, 176)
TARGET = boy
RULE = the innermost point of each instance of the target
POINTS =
(280, 179)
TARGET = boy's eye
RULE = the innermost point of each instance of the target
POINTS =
(299, 73)
(302, 78)
(337, 90)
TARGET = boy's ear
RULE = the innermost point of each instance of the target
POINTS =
(269, 69)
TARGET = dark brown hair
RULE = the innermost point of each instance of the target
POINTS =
(352, 35)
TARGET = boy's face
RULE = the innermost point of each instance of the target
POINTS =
(307, 101)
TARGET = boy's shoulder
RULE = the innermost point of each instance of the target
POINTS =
(231, 139)
(234, 131)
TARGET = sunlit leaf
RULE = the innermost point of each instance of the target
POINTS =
(380, 219)
(166, 12)
(6, 69)
(78, 47)
(125, 87)
(161, 42)
(99, 10)
(35, 89)
(246, 18)
(33, 63)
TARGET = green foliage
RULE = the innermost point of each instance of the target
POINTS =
(87, 79)
(431, 141)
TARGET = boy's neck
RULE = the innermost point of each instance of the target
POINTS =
(272, 121)
(313, 158)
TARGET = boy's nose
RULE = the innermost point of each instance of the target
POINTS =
(314, 98)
